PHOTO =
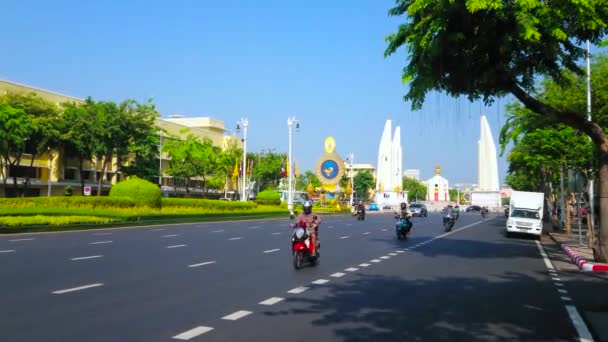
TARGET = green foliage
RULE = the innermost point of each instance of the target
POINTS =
(363, 182)
(267, 170)
(68, 191)
(207, 204)
(268, 197)
(141, 191)
(190, 158)
(505, 201)
(483, 48)
(67, 202)
(416, 190)
(17, 221)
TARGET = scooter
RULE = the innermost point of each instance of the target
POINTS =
(403, 227)
(360, 214)
(448, 223)
(302, 248)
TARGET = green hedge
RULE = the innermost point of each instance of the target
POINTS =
(67, 202)
(15, 221)
(268, 197)
(144, 193)
(207, 204)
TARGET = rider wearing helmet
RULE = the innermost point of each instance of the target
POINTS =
(406, 214)
(311, 222)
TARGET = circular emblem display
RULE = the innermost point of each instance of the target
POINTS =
(330, 145)
(330, 169)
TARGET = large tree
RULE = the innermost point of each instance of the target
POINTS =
(485, 49)
(191, 158)
(364, 181)
(416, 190)
(15, 128)
(267, 169)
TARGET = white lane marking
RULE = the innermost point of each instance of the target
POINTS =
(99, 242)
(559, 284)
(400, 251)
(84, 287)
(102, 234)
(176, 246)
(393, 254)
(271, 301)
(344, 237)
(330, 226)
(298, 290)
(385, 257)
(367, 233)
(217, 231)
(17, 240)
(364, 265)
(168, 236)
(235, 238)
(575, 317)
(237, 315)
(157, 229)
(349, 224)
(88, 257)
(375, 260)
(320, 281)
(276, 233)
(384, 230)
(202, 264)
(271, 251)
(338, 275)
(351, 269)
(556, 278)
(579, 324)
(7, 251)
(254, 227)
(192, 333)
(567, 299)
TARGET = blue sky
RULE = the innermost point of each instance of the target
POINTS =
(321, 61)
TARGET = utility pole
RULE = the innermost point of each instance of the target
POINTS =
(245, 123)
(291, 121)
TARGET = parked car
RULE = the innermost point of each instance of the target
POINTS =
(475, 208)
(418, 209)
(373, 206)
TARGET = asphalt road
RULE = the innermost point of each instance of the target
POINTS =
(234, 281)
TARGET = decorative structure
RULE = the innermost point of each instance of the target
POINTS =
(390, 170)
(437, 188)
(330, 168)
(488, 186)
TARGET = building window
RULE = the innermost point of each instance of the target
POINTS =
(70, 174)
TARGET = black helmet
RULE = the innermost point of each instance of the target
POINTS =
(403, 206)
(307, 207)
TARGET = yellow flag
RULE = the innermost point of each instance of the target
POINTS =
(235, 172)
(297, 172)
(288, 169)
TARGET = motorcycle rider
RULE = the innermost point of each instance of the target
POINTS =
(404, 214)
(449, 213)
(311, 222)
(361, 207)
(456, 211)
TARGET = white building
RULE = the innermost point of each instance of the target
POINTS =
(437, 188)
(412, 173)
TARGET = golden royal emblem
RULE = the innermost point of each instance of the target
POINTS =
(330, 145)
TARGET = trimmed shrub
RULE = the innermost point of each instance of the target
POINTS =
(67, 202)
(15, 221)
(268, 197)
(144, 193)
(207, 204)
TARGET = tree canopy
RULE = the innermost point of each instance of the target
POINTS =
(416, 190)
(364, 181)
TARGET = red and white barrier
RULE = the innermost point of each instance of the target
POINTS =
(583, 264)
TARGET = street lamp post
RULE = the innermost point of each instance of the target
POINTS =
(291, 121)
(243, 122)
(351, 158)
(591, 195)
(160, 160)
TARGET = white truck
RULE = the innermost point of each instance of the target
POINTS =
(526, 213)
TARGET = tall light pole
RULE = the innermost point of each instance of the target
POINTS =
(244, 123)
(291, 122)
(351, 158)
(591, 204)
(160, 160)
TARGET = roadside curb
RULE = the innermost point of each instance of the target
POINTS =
(583, 264)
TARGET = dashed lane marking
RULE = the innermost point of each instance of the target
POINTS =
(102, 234)
(169, 236)
(202, 264)
(364, 265)
(271, 250)
(87, 257)
(217, 231)
(176, 246)
(375, 260)
(79, 288)
(192, 333)
(320, 281)
(351, 269)
(338, 275)
(271, 301)
(393, 254)
(254, 227)
(7, 251)
(385, 257)
(344, 237)
(235, 238)
(366, 233)
(237, 315)
(99, 242)
(17, 240)
(567, 299)
(298, 290)
(277, 233)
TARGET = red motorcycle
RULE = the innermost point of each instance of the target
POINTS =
(301, 246)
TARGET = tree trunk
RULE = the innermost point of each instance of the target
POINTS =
(27, 175)
(81, 165)
(101, 175)
(601, 247)
(568, 220)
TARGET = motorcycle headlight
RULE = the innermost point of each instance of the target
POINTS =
(299, 233)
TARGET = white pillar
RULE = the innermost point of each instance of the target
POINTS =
(244, 122)
(591, 204)
(290, 122)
